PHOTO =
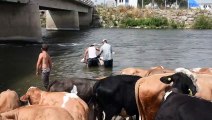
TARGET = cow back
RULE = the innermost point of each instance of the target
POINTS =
(183, 107)
(84, 87)
(9, 100)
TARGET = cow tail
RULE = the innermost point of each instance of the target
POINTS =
(50, 85)
(138, 103)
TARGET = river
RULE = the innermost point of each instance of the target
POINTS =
(132, 47)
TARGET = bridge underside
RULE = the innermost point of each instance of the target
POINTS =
(21, 21)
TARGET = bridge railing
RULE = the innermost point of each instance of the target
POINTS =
(87, 2)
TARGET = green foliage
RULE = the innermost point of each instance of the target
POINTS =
(176, 25)
(203, 22)
(152, 22)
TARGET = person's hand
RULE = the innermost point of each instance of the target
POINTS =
(37, 73)
(98, 56)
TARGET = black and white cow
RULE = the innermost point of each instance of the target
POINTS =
(115, 95)
(178, 105)
(83, 86)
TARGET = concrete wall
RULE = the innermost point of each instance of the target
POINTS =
(16, 1)
(85, 19)
(62, 5)
(20, 19)
(20, 22)
(62, 20)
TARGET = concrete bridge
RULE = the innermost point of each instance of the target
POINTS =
(20, 19)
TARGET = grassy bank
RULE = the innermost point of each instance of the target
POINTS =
(128, 17)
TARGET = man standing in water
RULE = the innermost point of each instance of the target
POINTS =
(44, 65)
(90, 56)
(106, 51)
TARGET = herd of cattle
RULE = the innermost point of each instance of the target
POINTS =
(154, 94)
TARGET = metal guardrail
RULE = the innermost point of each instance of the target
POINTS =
(86, 2)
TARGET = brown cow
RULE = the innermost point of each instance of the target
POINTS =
(69, 101)
(37, 112)
(145, 73)
(158, 70)
(134, 71)
(202, 70)
(9, 100)
(204, 84)
(149, 92)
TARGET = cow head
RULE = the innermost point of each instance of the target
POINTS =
(183, 80)
(33, 95)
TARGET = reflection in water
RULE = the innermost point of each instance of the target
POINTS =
(132, 47)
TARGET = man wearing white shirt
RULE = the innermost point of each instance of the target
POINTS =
(90, 56)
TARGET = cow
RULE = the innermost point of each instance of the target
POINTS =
(158, 70)
(177, 105)
(84, 89)
(69, 101)
(37, 112)
(115, 95)
(145, 73)
(9, 100)
(202, 70)
(204, 84)
(150, 91)
(134, 71)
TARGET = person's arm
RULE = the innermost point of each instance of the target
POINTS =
(100, 52)
(50, 63)
(38, 65)
(85, 55)
(97, 49)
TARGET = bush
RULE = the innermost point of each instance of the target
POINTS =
(147, 22)
(176, 25)
(203, 22)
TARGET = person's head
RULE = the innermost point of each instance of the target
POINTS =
(104, 41)
(44, 47)
(91, 45)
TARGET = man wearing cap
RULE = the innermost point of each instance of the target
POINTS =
(106, 52)
(90, 56)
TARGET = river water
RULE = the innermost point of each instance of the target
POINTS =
(132, 47)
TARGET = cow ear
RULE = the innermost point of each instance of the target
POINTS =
(24, 98)
(166, 79)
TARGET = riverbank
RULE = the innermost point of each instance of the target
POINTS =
(128, 17)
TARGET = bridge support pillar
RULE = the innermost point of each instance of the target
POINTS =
(85, 19)
(20, 22)
(62, 20)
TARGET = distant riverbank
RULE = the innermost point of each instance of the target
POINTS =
(128, 17)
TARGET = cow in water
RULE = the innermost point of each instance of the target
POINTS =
(115, 95)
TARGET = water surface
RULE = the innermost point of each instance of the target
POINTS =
(132, 47)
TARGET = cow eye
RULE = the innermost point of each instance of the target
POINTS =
(169, 79)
